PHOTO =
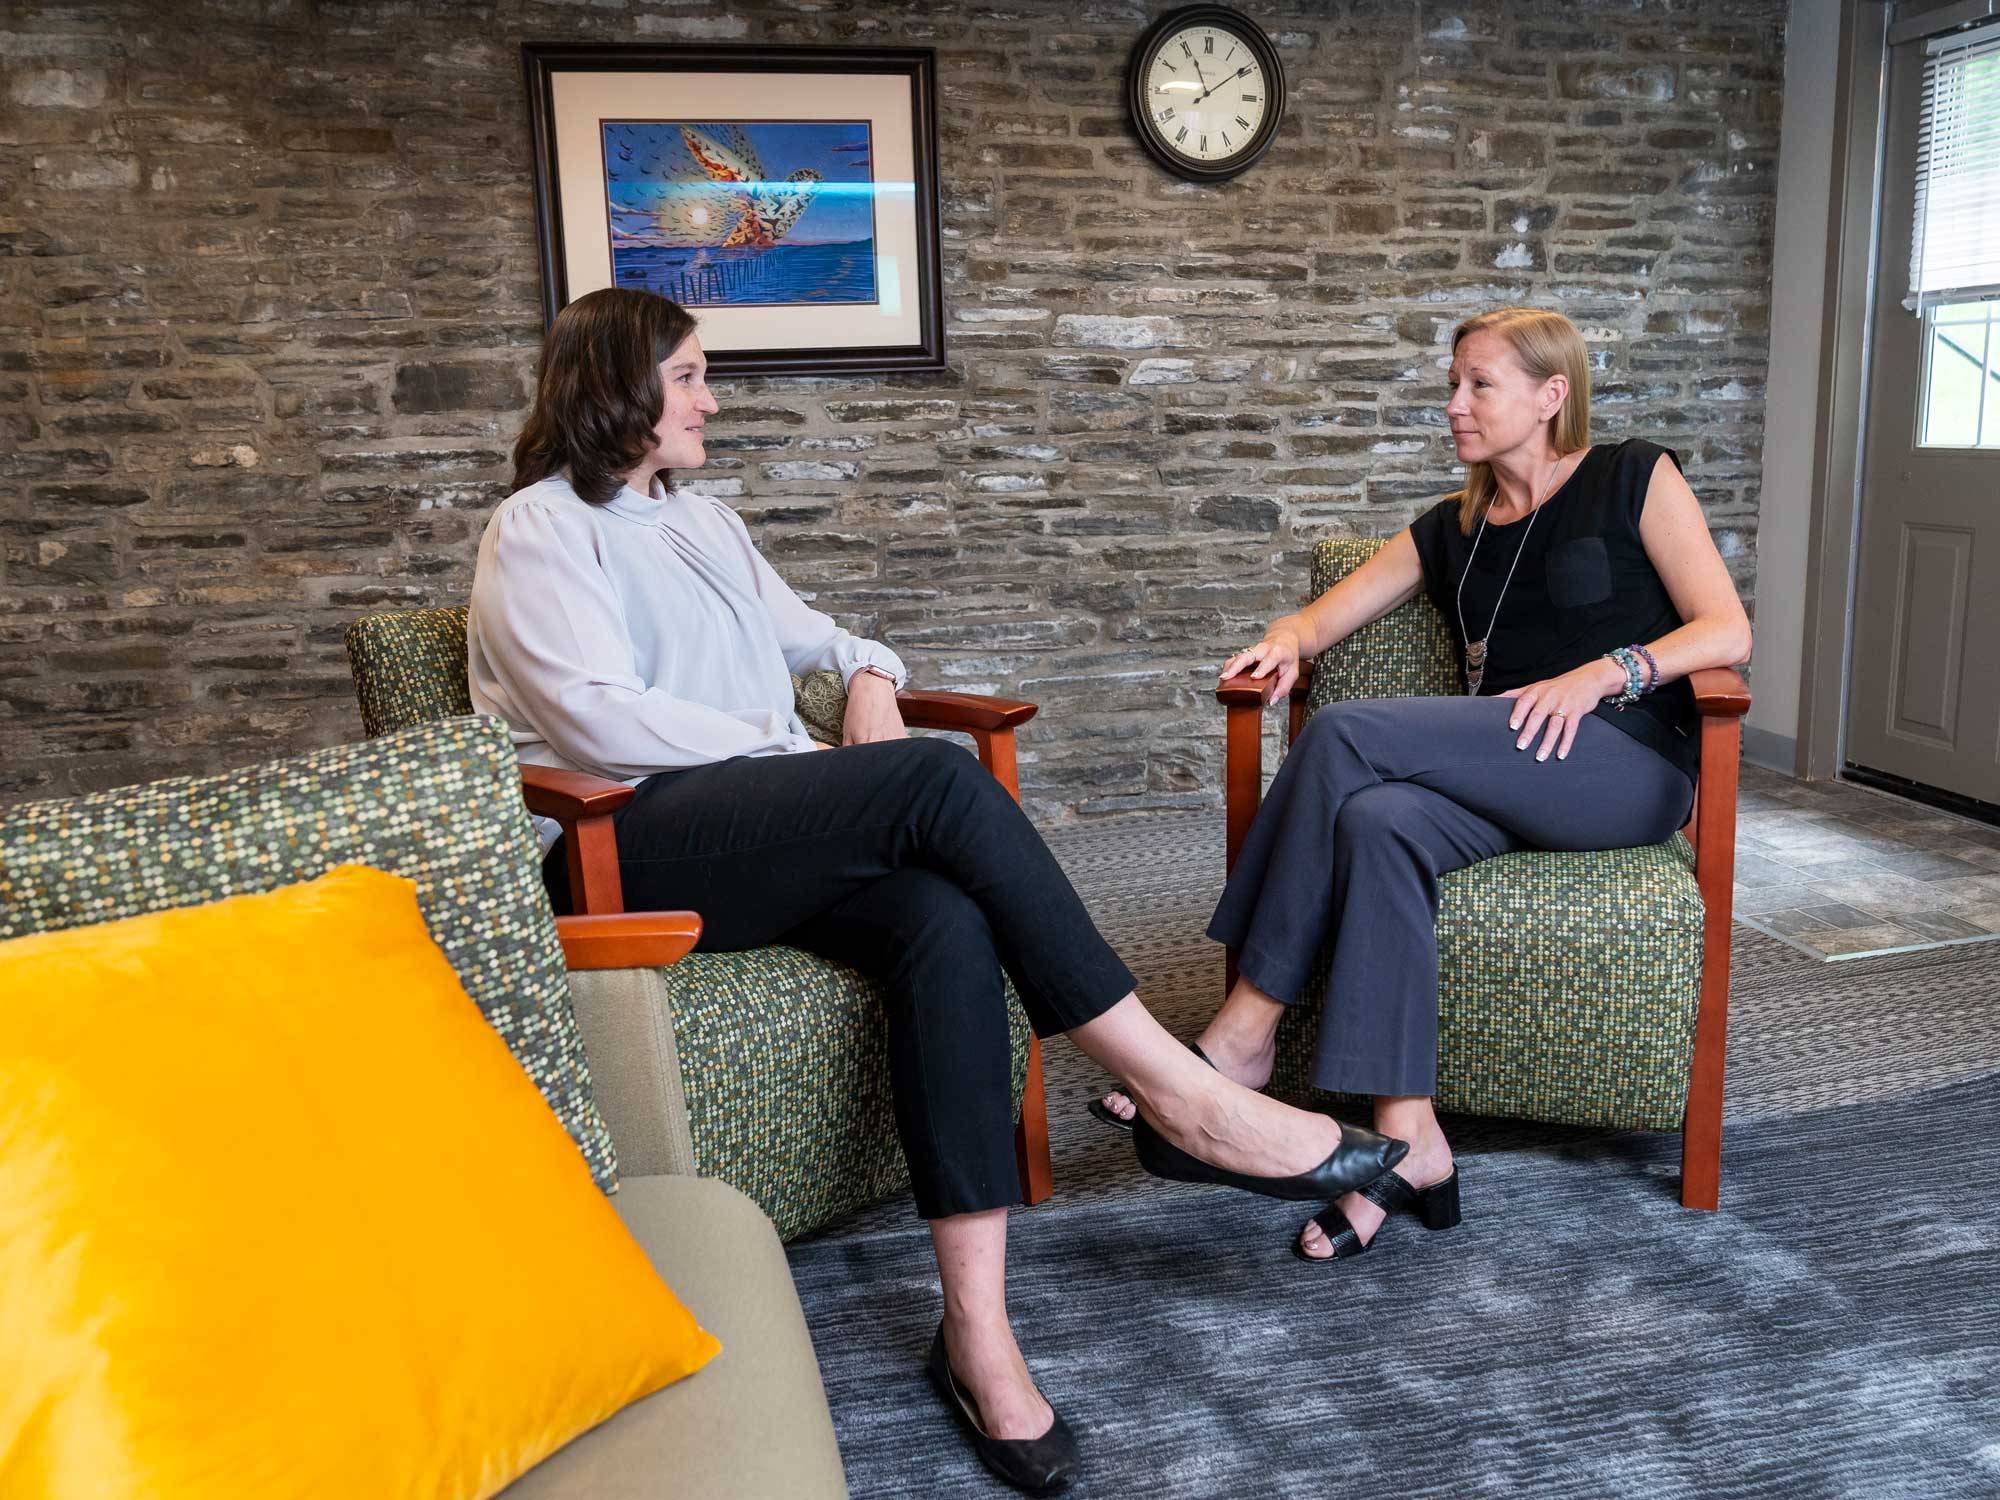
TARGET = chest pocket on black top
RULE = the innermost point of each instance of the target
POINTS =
(1579, 573)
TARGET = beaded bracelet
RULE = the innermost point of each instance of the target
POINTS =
(1628, 662)
(1652, 667)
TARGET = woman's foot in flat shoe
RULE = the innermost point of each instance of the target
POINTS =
(1200, 1127)
(1016, 1433)
(1429, 1163)
(990, 1371)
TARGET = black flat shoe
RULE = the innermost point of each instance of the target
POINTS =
(1103, 1111)
(1361, 1157)
(1040, 1466)
(1436, 1206)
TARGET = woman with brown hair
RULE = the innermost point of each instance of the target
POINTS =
(1583, 587)
(630, 629)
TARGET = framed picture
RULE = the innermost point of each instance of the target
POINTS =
(787, 196)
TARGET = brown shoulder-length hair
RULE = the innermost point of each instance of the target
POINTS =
(598, 395)
(1546, 343)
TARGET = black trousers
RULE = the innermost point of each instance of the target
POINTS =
(906, 860)
(1376, 800)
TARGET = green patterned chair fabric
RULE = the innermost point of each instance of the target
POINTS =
(781, 1052)
(1568, 984)
(409, 667)
(439, 804)
(785, 1065)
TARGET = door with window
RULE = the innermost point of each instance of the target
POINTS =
(1924, 697)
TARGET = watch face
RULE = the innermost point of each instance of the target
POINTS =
(1206, 91)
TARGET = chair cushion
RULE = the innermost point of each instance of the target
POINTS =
(1568, 986)
(409, 667)
(440, 804)
(1408, 653)
(785, 1064)
(821, 700)
(755, 1423)
(280, 1215)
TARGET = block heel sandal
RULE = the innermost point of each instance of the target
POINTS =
(1436, 1207)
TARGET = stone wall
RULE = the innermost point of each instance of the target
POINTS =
(268, 316)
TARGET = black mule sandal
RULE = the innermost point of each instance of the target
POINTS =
(1435, 1206)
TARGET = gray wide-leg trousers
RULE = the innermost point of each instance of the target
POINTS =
(1377, 799)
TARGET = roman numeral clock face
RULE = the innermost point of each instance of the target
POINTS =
(1206, 91)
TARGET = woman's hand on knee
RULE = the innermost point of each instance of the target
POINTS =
(1276, 657)
(872, 713)
(1553, 707)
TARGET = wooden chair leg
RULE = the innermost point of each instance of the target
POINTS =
(1715, 873)
(1031, 1136)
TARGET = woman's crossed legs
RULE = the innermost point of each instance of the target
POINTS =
(908, 860)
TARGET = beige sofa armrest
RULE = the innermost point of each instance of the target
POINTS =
(635, 1071)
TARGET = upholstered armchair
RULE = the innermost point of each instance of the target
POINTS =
(808, 1131)
(1525, 1026)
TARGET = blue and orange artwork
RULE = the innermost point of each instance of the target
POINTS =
(742, 213)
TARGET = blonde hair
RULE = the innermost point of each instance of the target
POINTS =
(1546, 343)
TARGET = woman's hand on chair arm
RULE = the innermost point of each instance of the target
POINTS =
(1390, 578)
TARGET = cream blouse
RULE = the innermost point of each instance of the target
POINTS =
(645, 634)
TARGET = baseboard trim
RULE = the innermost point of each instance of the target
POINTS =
(1772, 751)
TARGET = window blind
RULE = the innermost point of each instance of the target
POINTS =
(1955, 239)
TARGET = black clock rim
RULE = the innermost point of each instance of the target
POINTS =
(1252, 35)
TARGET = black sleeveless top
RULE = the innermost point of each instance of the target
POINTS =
(1584, 586)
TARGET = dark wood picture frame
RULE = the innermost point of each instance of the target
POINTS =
(916, 67)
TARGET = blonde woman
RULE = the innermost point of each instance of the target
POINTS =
(1583, 587)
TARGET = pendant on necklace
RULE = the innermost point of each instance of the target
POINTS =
(1475, 666)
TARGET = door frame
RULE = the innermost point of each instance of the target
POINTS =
(1853, 241)
(1833, 535)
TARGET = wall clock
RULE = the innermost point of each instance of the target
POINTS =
(1206, 91)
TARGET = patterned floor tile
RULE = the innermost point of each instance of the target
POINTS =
(1858, 942)
(1924, 865)
(1753, 869)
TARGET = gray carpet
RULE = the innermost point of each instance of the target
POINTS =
(1832, 1332)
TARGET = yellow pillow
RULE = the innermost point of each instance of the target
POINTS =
(281, 1216)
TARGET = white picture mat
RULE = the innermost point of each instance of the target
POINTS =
(582, 101)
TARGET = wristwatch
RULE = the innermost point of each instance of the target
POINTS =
(888, 677)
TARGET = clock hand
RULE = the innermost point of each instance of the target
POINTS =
(1206, 92)
(1199, 77)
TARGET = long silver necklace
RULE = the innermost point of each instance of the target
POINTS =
(1475, 651)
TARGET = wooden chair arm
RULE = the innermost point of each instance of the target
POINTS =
(1720, 692)
(569, 795)
(583, 804)
(1241, 691)
(628, 940)
(924, 709)
(990, 722)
